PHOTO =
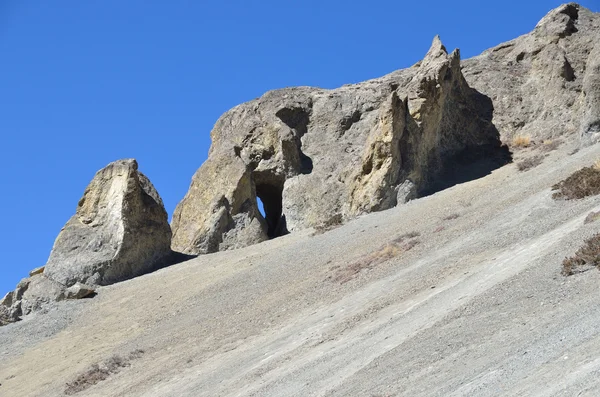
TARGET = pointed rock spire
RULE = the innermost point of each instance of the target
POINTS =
(436, 50)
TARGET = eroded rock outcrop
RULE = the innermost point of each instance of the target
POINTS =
(120, 230)
(311, 154)
(31, 294)
(543, 84)
(590, 126)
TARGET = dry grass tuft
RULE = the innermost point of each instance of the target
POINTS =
(96, 373)
(550, 145)
(596, 165)
(591, 217)
(386, 252)
(587, 255)
(582, 183)
(521, 141)
(330, 224)
(451, 217)
(530, 163)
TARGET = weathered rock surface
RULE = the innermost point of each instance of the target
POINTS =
(120, 230)
(590, 126)
(37, 270)
(31, 294)
(9, 313)
(79, 291)
(544, 84)
(311, 154)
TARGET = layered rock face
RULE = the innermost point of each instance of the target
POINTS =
(590, 126)
(120, 230)
(311, 154)
(545, 84)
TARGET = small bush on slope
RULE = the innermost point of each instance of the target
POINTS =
(587, 255)
(582, 183)
(329, 224)
(386, 252)
(521, 141)
(550, 145)
(591, 217)
(98, 372)
(530, 163)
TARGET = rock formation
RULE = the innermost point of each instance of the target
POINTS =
(544, 84)
(311, 154)
(590, 126)
(120, 230)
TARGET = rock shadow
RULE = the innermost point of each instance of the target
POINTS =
(468, 165)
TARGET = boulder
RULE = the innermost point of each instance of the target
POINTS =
(7, 316)
(79, 291)
(10, 310)
(120, 230)
(37, 270)
(7, 301)
(544, 84)
(35, 292)
(31, 294)
(309, 154)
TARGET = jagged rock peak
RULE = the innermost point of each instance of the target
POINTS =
(436, 50)
(560, 21)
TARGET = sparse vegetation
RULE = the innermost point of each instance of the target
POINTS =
(550, 145)
(386, 252)
(591, 217)
(521, 141)
(98, 372)
(451, 217)
(587, 255)
(530, 163)
(330, 224)
(580, 184)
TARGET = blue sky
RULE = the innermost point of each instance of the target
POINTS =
(83, 83)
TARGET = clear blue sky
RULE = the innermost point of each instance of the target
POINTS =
(83, 83)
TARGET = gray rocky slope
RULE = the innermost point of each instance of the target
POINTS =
(458, 293)
(477, 307)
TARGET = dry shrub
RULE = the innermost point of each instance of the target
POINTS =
(451, 217)
(591, 217)
(587, 255)
(530, 163)
(550, 145)
(596, 165)
(521, 141)
(386, 252)
(96, 373)
(580, 184)
(330, 224)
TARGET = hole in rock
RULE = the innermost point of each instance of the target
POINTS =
(261, 207)
(270, 196)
